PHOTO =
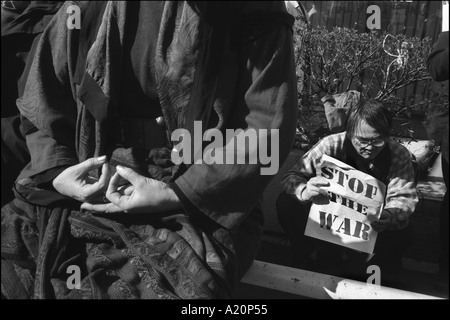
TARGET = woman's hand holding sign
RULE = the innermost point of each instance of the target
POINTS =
(313, 189)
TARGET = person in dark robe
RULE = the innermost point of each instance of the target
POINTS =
(22, 24)
(101, 192)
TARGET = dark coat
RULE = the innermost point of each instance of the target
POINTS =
(254, 88)
(241, 76)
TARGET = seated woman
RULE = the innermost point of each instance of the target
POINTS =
(365, 145)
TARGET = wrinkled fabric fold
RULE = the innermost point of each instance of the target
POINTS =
(118, 256)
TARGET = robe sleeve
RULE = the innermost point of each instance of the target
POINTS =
(267, 99)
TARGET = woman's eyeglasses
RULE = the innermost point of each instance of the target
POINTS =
(366, 142)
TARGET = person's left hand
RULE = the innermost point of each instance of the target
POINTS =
(385, 222)
(142, 195)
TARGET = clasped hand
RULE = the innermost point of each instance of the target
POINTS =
(139, 195)
(388, 221)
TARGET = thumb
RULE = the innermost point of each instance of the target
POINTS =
(128, 174)
(91, 164)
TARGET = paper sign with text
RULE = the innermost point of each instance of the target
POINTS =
(354, 200)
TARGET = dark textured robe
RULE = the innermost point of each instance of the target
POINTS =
(22, 23)
(229, 65)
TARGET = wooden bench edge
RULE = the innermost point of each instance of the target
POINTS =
(319, 286)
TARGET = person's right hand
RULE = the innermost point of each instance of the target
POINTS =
(74, 182)
(314, 188)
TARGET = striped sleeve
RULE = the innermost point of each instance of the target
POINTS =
(297, 177)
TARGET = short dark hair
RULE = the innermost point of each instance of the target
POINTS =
(374, 113)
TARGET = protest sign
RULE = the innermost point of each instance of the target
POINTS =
(354, 199)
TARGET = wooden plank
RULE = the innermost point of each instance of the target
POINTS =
(329, 12)
(385, 10)
(349, 17)
(360, 15)
(422, 19)
(413, 9)
(411, 20)
(320, 286)
(401, 16)
(432, 30)
(315, 18)
(433, 21)
(339, 9)
(396, 16)
(425, 12)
